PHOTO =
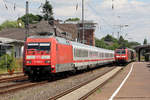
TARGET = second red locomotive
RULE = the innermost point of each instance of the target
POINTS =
(124, 55)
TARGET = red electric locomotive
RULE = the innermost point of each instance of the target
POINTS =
(124, 55)
(46, 55)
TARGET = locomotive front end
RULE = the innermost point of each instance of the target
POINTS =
(37, 57)
(120, 55)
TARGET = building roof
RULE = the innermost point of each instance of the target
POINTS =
(72, 29)
(8, 40)
(142, 47)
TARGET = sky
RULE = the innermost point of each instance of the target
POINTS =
(131, 18)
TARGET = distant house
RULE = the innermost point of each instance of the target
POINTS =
(6, 46)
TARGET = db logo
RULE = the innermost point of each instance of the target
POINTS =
(38, 61)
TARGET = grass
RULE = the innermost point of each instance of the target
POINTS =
(99, 90)
(3, 71)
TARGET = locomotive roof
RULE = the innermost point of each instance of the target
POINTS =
(40, 36)
(126, 48)
(63, 41)
(59, 39)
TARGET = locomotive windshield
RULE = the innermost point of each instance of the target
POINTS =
(39, 46)
(120, 52)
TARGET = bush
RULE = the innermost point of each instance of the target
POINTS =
(12, 24)
(32, 18)
(8, 61)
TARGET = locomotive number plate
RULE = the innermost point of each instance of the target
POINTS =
(38, 61)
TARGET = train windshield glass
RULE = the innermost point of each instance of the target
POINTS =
(120, 52)
(39, 46)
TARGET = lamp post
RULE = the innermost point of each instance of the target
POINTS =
(27, 20)
(121, 26)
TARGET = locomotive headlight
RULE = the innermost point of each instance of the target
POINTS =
(53, 66)
(47, 61)
(29, 62)
(45, 57)
(30, 57)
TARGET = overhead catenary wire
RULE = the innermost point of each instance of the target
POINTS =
(104, 19)
(16, 5)
(5, 4)
(10, 8)
(106, 22)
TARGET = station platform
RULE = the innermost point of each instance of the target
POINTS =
(136, 86)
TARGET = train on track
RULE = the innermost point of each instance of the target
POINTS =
(47, 55)
(124, 55)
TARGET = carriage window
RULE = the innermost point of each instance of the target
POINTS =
(33, 45)
(44, 46)
(123, 52)
(80, 53)
(120, 52)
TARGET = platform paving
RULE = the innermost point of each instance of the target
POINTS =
(77, 94)
(137, 86)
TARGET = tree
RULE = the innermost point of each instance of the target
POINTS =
(121, 40)
(12, 24)
(100, 43)
(47, 11)
(108, 38)
(32, 18)
(109, 42)
(145, 41)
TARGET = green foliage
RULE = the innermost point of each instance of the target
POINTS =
(109, 42)
(47, 11)
(7, 61)
(73, 19)
(20, 24)
(11, 24)
(32, 18)
(145, 41)
(100, 43)
(109, 38)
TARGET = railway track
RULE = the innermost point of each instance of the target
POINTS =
(6, 74)
(21, 85)
(57, 96)
(18, 86)
(8, 79)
